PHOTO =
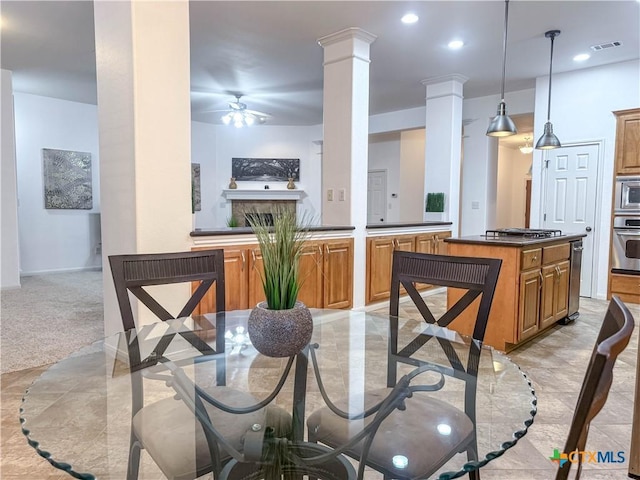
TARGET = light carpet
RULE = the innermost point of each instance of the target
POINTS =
(50, 317)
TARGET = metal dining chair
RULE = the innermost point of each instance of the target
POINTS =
(167, 429)
(414, 428)
(613, 338)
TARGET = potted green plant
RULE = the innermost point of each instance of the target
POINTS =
(280, 326)
(434, 206)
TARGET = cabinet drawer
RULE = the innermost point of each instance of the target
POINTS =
(628, 286)
(530, 258)
(555, 253)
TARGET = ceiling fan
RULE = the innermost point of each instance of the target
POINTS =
(240, 116)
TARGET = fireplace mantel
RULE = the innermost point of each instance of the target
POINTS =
(262, 194)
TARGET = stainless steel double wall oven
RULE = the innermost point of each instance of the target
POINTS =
(626, 226)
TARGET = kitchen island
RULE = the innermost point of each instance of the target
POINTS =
(532, 293)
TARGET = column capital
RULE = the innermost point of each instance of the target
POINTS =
(351, 33)
(454, 77)
(444, 86)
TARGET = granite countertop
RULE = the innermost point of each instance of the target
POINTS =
(409, 224)
(507, 241)
(206, 232)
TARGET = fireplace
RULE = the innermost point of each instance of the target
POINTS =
(240, 209)
(259, 218)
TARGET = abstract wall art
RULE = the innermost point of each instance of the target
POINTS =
(196, 198)
(265, 169)
(67, 179)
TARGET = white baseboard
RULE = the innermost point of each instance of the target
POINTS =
(61, 270)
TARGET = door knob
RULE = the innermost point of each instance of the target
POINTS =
(588, 229)
(382, 219)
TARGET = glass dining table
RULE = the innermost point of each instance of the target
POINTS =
(79, 414)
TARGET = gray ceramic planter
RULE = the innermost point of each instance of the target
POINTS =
(280, 333)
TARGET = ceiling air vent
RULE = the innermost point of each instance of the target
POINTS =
(604, 46)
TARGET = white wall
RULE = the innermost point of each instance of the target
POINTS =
(265, 141)
(581, 111)
(203, 151)
(480, 162)
(384, 154)
(54, 240)
(412, 166)
(9, 259)
(513, 169)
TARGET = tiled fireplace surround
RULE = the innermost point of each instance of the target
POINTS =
(241, 207)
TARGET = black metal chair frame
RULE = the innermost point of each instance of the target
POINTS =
(479, 276)
(613, 338)
(133, 272)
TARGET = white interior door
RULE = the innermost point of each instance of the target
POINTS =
(377, 197)
(570, 199)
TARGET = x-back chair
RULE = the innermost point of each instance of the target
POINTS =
(426, 450)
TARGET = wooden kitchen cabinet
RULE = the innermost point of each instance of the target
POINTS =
(380, 257)
(432, 243)
(311, 275)
(529, 303)
(325, 266)
(628, 142)
(379, 262)
(532, 293)
(338, 273)
(555, 293)
(236, 278)
(627, 287)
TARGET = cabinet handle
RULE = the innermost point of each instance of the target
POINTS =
(320, 250)
(541, 279)
(243, 261)
(253, 256)
(326, 249)
(394, 243)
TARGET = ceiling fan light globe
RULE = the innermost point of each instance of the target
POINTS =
(226, 119)
(249, 120)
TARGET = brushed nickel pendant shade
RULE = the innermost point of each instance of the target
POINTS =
(548, 140)
(502, 125)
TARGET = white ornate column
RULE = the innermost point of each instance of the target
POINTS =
(443, 148)
(143, 73)
(346, 140)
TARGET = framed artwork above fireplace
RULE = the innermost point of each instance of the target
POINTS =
(265, 169)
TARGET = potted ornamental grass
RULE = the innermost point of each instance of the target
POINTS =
(280, 326)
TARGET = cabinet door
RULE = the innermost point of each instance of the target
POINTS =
(440, 247)
(547, 303)
(310, 275)
(338, 274)
(529, 304)
(561, 300)
(380, 255)
(235, 279)
(628, 142)
(255, 269)
(406, 243)
(425, 243)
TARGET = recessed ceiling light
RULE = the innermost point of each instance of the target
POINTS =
(581, 57)
(410, 18)
(456, 44)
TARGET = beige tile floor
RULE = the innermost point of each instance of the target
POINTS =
(555, 362)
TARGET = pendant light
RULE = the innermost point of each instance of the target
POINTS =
(548, 140)
(502, 125)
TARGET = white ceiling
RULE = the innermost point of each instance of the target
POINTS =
(268, 50)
